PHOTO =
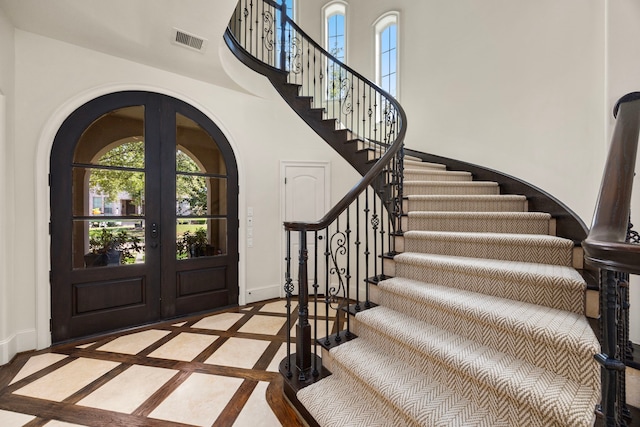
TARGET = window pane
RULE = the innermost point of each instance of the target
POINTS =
(196, 151)
(115, 139)
(107, 243)
(200, 195)
(200, 237)
(99, 192)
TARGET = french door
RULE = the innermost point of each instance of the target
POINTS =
(144, 215)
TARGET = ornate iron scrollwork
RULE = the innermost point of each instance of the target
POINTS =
(268, 22)
(337, 247)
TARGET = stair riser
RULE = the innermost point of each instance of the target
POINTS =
(509, 251)
(411, 189)
(472, 388)
(549, 292)
(463, 206)
(495, 336)
(432, 176)
(411, 164)
(514, 226)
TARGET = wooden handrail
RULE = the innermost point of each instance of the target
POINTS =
(606, 246)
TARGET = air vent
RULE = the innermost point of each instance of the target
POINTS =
(190, 41)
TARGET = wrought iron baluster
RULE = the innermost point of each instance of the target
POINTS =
(327, 301)
(348, 275)
(367, 253)
(316, 239)
(357, 246)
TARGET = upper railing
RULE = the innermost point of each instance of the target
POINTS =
(610, 247)
(339, 255)
(263, 29)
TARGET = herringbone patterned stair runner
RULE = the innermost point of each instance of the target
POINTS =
(482, 325)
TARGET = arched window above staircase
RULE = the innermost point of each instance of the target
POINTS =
(386, 52)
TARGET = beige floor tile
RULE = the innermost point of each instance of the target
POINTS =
(256, 412)
(238, 352)
(128, 390)
(219, 322)
(277, 307)
(281, 354)
(258, 324)
(37, 363)
(177, 325)
(199, 400)
(63, 382)
(14, 419)
(55, 423)
(133, 343)
(185, 346)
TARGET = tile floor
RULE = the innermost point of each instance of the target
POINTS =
(211, 370)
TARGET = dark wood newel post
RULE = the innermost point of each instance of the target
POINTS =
(303, 328)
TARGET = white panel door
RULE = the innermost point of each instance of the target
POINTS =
(306, 199)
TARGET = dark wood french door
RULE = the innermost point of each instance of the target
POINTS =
(144, 215)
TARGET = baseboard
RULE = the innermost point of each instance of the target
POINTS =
(261, 294)
(17, 343)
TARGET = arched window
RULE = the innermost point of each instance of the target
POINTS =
(334, 35)
(386, 33)
(335, 29)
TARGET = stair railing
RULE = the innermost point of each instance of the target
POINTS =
(611, 248)
(341, 254)
(263, 29)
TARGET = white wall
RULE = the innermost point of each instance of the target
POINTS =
(54, 78)
(517, 86)
(7, 54)
(623, 76)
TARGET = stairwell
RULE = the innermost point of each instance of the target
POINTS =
(482, 324)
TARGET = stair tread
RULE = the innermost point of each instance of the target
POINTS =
(435, 172)
(453, 183)
(416, 394)
(545, 325)
(360, 407)
(502, 238)
(529, 384)
(467, 197)
(542, 216)
(556, 286)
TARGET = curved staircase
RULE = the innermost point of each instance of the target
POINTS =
(482, 323)
(473, 312)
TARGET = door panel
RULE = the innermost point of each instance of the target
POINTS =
(305, 200)
(113, 178)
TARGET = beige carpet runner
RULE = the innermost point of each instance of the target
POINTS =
(482, 324)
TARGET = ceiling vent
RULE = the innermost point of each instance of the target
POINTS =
(190, 41)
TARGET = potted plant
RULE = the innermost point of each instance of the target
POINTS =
(194, 245)
(111, 248)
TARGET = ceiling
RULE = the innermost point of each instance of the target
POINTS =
(138, 30)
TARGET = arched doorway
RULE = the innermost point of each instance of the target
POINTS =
(144, 215)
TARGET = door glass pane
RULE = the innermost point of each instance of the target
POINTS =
(115, 139)
(201, 193)
(107, 243)
(108, 190)
(200, 237)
